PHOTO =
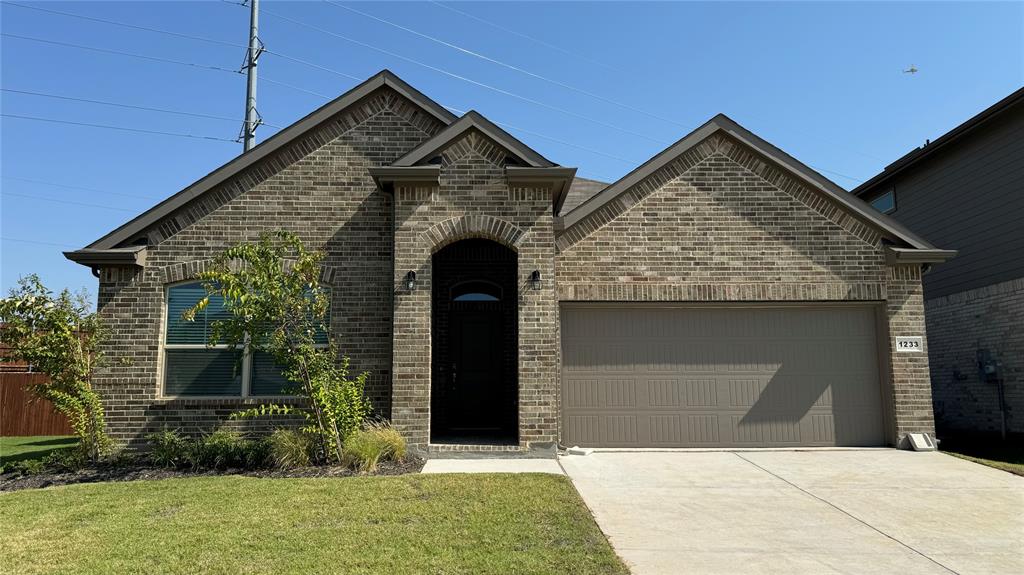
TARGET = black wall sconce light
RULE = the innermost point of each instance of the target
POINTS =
(410, 280)
(535, 279)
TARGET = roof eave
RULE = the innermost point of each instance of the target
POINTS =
(560, 177)
(387, 176)
(894, 255)
(919, 154)
(118, 257)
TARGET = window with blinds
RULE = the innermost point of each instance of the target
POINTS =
(194, 368)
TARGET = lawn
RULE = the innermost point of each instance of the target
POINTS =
(36, 447)
(501, 523)
(1008, 455)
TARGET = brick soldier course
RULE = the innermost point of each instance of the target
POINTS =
(382, 178)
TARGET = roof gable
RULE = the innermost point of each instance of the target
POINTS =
(268, 147)
(799, 171)
(470, 121)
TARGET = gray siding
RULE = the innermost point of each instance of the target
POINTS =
(969, 197)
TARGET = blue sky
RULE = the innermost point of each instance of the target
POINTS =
(599, 86)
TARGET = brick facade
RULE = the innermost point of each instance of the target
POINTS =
(475, 200)
(992, 318)
(720, 223)
(317, 187)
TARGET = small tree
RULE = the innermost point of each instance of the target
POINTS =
(59, 336)
(271, 289)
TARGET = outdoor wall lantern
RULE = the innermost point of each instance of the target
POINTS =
(410, 280)
(535, 279)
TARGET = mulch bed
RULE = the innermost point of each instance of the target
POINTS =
(15, 482)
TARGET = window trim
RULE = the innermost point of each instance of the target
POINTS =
(247, 353)
(890, 192)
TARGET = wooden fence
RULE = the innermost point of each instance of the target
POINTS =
(21, 413)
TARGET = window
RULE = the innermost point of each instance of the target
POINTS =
(885, 203)
(476, 291)
(193, 368)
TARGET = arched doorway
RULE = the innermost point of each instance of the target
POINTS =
(474, 344)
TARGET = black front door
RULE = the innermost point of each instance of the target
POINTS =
(474, 344)
(476, 384)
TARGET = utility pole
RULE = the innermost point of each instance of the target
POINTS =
(252, 117)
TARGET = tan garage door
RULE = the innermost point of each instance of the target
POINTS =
(638, 376)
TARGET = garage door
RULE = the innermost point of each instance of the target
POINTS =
(637, 376)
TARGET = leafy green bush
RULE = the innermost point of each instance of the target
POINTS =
(219, 450)
(290, 448)
(60, 336)
(26, 467)
(376, 442)
(168, 449)
(64, 460)
(222, 449)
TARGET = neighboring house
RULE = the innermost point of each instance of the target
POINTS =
(721, 294)
(965, 190)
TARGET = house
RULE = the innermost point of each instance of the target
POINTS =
(720, 294)
(966, 190)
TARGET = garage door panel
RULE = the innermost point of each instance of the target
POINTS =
(764, 377)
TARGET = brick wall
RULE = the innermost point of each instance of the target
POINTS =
(474, 200)
(721, 224)
(908, 372)
(317, 187)
(992, 318)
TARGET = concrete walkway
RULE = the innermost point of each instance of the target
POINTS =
(492, 466)
(871, 511)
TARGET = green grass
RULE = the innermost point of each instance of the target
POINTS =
(35, 447)
(1008, 455)
(529, 523)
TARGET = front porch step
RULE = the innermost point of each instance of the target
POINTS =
(476, 451)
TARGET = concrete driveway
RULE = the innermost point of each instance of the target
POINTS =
(873, 511)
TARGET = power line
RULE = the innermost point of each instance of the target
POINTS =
(464, 79)
(70, 202)
(512, 67)
(155, 59)
(121, 128)
(7, 239)
(83, 188)
(129, 106)
(119, 53)
(127, 25)
(292, 86)
(530, 38)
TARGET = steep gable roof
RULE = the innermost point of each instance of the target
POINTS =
(268, 147)
(803, 173)
(472, 120)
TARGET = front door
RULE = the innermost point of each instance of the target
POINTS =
(476, 384)
(474, 344)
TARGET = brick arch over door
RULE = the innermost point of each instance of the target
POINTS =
(459, 228)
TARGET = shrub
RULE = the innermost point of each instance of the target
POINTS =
(393, 442)
(168, 449)
(271, 291)
(376, 442)
(219, 450)
(64, 460)
(363, 451)
(59, 336)
(27, 467)
(290, 448)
